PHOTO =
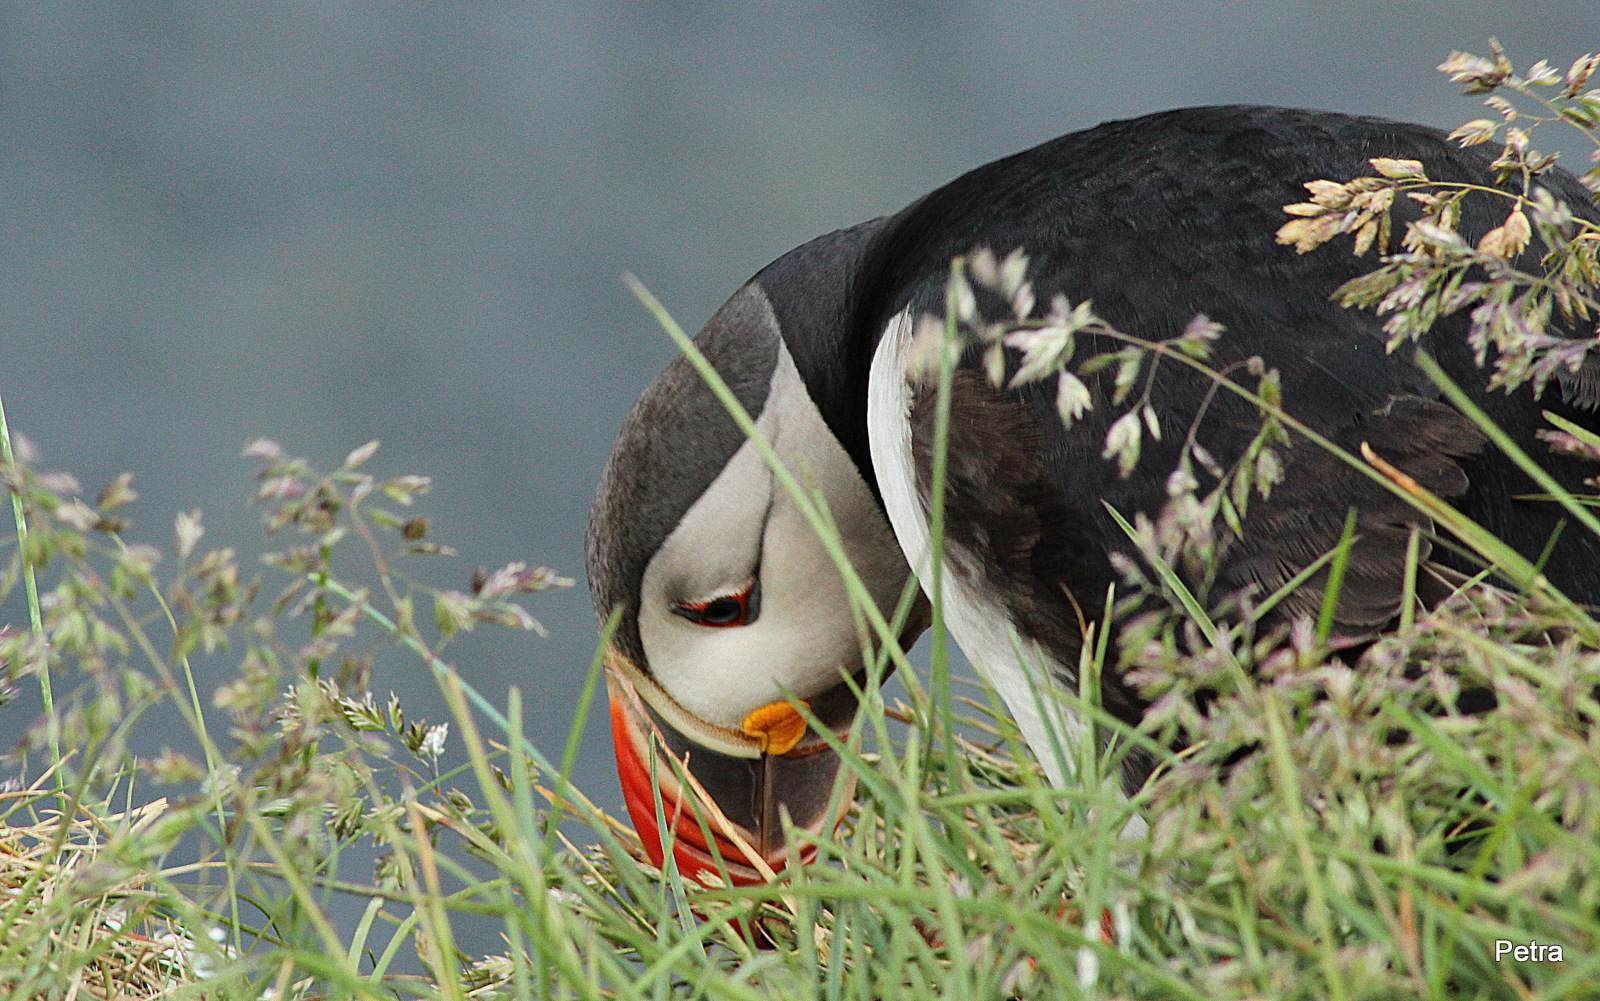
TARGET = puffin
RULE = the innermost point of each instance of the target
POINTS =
(724, 608)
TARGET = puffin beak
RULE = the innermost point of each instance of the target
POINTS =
(740, 784)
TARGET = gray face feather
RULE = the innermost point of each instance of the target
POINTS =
(675, 442)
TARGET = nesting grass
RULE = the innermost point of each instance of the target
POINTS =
(77, 922)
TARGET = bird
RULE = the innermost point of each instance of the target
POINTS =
(725, 605)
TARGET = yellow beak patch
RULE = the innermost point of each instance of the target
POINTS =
(777, 726)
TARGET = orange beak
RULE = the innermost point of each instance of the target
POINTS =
(737, 785)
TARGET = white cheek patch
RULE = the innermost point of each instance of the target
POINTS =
(804, 634)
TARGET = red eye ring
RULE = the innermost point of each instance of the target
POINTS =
(722, 612)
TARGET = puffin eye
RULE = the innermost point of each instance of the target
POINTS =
(723, 612)
(720, 612)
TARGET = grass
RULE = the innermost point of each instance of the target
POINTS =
(1329, 829)
(1332, 830)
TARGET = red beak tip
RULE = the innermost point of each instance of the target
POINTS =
(685, 838)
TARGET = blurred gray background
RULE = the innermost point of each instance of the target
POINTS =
(331, 222)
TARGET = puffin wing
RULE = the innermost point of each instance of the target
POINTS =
(1155, 221)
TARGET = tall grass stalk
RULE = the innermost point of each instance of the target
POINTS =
(20, 520)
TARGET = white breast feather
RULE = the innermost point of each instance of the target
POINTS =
(979, 624)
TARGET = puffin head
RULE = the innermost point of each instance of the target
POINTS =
(728, 607)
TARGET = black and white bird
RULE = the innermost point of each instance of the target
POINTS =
(728, 605)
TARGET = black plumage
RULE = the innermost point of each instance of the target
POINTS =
(1156, 220)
